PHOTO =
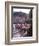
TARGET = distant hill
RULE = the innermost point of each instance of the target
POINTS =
(19, 14)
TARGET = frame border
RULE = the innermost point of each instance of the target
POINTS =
(7, 38)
